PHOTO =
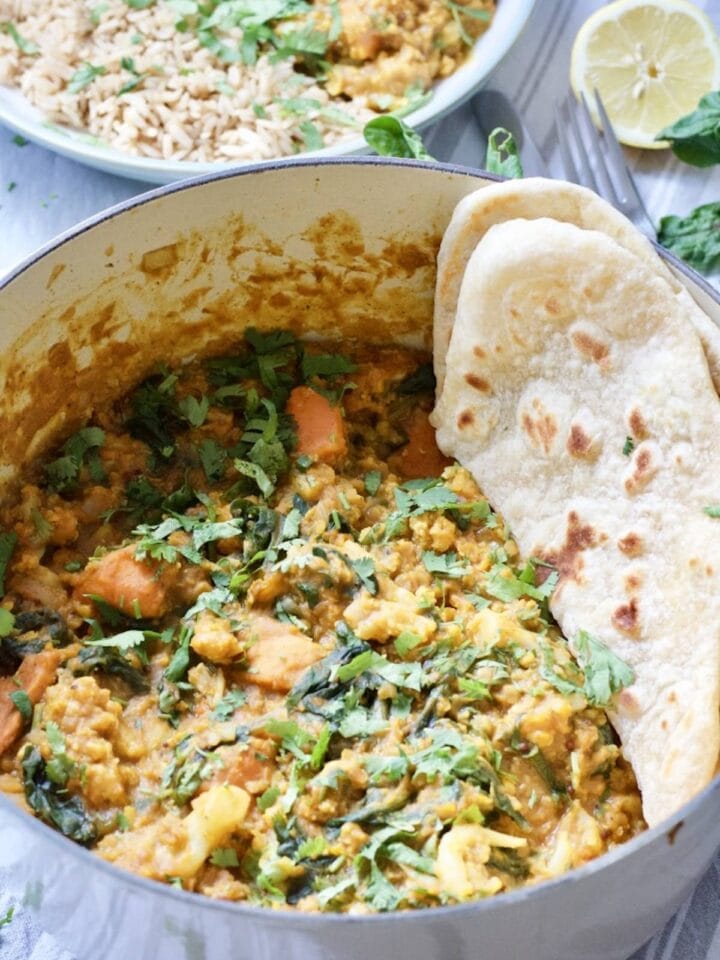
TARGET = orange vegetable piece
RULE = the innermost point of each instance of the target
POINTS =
(320, 425)
(278, 654)
(252, 768)
(34, 676)
(420, 457)
(137, 587)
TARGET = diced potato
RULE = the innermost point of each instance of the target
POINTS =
(214, 640)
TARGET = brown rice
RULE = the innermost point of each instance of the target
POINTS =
(129, 77)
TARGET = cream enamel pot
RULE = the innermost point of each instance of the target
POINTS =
(336, 245)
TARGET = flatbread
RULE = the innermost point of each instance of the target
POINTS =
(532, 198)
(564, 344)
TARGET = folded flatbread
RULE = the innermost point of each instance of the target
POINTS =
(564, 345)
(532, 198)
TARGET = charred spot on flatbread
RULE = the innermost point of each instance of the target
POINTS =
(477, 382)
(466, 418)
(579, 443)
(631, 544)
(568, 560)
(626, 618)
(644, 465)
(588, 346)
(540, 426)
(637, 425)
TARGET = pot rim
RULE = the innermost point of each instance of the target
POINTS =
(667, 828)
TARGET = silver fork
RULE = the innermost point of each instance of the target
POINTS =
(596, 160)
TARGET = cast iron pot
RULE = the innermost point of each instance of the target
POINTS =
(343, 246)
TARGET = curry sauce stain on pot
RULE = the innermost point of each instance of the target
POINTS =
(207, 286)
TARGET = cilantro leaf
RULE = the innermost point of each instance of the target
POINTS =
(372, 481)
(325, 365)
(292, 737)
(25, 46)
(445, 564)
(695, 138)
(502, 155)
(605, 673)
(256, 473)
(7, 545)
(24, 706)
(391, 137)
(695, 238)
(713, 510)
(81, 447)
(225, 708)
(501, 582)
(628, 446)
(548, 672)
(364, 568)
(213, 459)
(7, 918)
(380, 893)
(7, 622)
(128, 640)
(195, 411)
(84, 76)
(408, 675)
(224, 857)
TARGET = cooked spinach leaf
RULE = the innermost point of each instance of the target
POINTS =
(52, 803)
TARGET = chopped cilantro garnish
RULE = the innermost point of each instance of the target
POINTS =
(7, 622)
(81, 448)
(226, 707)
(628, 446)
(24, 706)
(84, 76)
(193, 410)
(364, 567)
(224, 857)
(372, 481)
(445, 564)
(713, 510)
(406, 642)
(7, 545)
(25, 46)
(605, 673)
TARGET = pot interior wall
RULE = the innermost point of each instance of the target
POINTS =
(342, 249)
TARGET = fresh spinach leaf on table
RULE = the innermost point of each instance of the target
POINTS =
(695, 138)
(695, 238)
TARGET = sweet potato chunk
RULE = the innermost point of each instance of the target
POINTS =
(420, 457)
(34, 676)
(137, 587)
(278, 655)
(320, 426)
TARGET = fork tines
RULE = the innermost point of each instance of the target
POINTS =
(596, 160)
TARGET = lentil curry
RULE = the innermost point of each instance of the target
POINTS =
(260, 640)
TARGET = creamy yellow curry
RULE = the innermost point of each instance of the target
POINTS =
(260, 640)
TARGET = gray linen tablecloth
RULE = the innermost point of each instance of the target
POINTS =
(52, 194)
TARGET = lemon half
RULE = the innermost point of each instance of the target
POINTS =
(650, 60)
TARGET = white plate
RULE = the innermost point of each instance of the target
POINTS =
(16, 113)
